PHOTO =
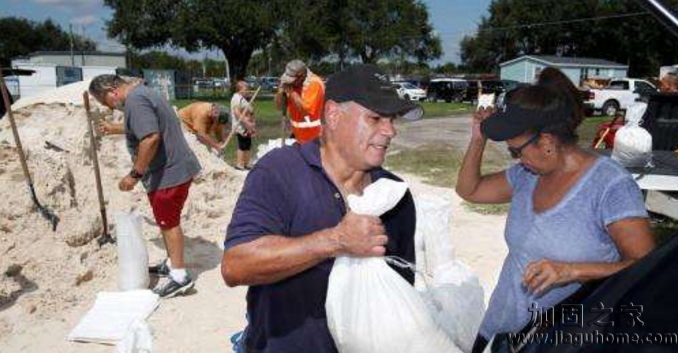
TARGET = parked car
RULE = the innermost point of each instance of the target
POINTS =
(471, 94)
(498, 87)
(252, 82)
(269, 83)
(409, 91)
(447, 89)
(619, 94)
(203, 83)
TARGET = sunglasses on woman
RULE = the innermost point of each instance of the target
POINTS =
(517, 152)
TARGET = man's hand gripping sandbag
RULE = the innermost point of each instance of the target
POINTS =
(371, 308)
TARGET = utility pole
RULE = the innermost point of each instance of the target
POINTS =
(82, 49)
(228, 69)
(70, 30)
(204, 67)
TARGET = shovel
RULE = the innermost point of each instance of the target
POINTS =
(284, 119)
(48, 214)
(105, 237)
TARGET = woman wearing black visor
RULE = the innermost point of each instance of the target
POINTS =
(574, 216)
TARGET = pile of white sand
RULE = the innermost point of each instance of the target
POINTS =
(43, 273)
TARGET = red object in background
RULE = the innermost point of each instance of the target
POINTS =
(609, 138)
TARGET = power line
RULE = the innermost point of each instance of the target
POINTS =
(576, 20)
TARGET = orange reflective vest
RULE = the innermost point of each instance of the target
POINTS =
(306, 124)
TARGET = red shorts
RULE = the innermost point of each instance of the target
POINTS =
(167, 204)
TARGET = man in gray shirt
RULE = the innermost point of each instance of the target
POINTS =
(162, 161)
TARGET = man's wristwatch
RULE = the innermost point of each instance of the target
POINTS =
(134, 174)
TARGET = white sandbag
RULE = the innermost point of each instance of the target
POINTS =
(632, 146)
(632, 143)
(132, 253)
(486, 101)
(138, 339)
(371, 308)
(635, 112)
(273, 144)
(112, 315)
(433, 242)
(457, 302)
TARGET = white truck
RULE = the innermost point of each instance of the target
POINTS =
(619, 94)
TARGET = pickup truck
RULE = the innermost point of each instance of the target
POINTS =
(619, 94)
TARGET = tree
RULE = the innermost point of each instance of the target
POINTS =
(236, 27)
(21, 37)
(368, 30)
(553, 27)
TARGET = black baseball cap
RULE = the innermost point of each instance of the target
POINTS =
(368, 86)
(512, 120)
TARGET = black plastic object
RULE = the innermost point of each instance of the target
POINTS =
(661, 120)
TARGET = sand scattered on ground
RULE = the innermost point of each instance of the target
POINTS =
(48, 280)
(45, 274)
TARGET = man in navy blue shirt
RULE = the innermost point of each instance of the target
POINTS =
(291, 221)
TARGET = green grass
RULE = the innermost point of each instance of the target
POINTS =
(442, 109)
(589, 128)
(439, 165)
(269, 119)
(435, 164)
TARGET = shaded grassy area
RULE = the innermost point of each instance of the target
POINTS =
(442, 109)
(589, 128)
(269, 119)
(439, 164)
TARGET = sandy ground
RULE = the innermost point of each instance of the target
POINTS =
(204, 320)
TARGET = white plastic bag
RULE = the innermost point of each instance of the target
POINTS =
(449, 287)
(371, 308)
(132, 254)
(456, 300)
(271, 145)
(632, 143)
(433, 243)
(138, 339)
(632, 146)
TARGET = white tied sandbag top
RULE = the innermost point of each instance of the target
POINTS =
(371, 308)
(632, 143)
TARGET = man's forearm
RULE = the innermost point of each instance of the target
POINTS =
(115, 129)
(208, 140)
(297, 101)
(147, 150)
(273, 258)
(278, 99)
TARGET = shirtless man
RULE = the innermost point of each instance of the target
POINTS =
(207, 121)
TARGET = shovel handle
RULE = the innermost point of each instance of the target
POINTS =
(284, 119)
(95, 160)
(15, 131)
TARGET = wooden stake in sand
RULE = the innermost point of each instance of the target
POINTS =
(105, 237)
(46, 213)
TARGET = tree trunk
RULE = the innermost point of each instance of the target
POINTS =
(238, 58)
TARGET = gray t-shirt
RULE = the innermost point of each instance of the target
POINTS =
(574, 230)
(174, 163)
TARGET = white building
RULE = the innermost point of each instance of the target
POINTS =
(84, 58)
(54, 69)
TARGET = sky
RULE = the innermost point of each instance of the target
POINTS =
(451, 19)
